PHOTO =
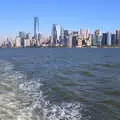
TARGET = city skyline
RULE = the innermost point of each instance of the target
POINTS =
(93, 14)
(61, 37)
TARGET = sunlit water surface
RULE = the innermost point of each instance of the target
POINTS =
(59, 84)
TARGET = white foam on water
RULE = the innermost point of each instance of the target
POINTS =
(22, 99)
(11, 106)
(48, 111)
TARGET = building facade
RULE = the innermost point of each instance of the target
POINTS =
(118, 37)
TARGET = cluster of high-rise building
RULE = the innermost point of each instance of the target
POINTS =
(27, 40)
(6, 42)
(84, 38)
(66, 38)
(61, 37)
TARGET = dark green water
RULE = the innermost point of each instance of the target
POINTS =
(59, 84)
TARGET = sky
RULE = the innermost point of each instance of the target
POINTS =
(17, 15)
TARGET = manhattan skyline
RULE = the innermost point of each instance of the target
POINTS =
(93, 14)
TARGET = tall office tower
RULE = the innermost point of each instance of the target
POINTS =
(109, 39)
(59, 30)
(74, 39)
(118, 37)
(113, 39)
(54, 35)
(22, 36)
(94, 42)
(104, 39)
(97, 38)
(66, 37)
(62, 37)
(36, 27)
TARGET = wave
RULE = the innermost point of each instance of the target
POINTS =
(23, 99)
(48, 111)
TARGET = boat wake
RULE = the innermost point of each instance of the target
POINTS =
(23, 99)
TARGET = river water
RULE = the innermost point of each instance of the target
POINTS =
(59, 84)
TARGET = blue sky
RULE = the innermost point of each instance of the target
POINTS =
(17, 15)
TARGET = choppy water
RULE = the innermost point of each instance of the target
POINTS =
(59, 84)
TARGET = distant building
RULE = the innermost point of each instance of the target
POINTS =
(89, 40)
(39, 41)
(66, 38)
(118, 37)
(36, 27)
(59, 30)
(113, 39)
(22, 36)
(80, 40)
(97, 39)
(54, 36)
(109, 42)
(104, 39)
(39, 36)
(74, 39)
(26, 42)
(8, 43)
(69, 43)
(18, 42)
(84, 38)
